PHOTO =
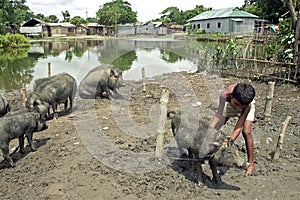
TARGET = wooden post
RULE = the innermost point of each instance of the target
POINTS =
(164, 99)
(269, 100)
(24, 93)
(280, 138)
(144, 79)
(49, 69)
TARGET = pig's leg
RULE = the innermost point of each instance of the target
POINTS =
(199, 173)
(65, 105)
(71, 102)
(213, 166)
(6, 156)
(21, 144)
(30, 142)
(107, 91)
(54, 108)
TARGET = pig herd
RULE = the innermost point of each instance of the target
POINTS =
(48, 93)
(102, 82)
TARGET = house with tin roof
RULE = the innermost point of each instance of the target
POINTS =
(37, 27)
(227, 20)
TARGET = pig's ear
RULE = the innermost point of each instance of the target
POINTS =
(112, 72)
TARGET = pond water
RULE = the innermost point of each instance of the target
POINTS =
(156, 55)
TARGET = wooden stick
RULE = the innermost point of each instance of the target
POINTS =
(144, 79)
(164, 99)
(264, 61)
(269, 100)
(281, 137)
(24, 93)
(49, 69)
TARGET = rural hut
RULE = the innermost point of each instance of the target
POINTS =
(227, 20)
(62, 29)
(35, 27)
(81, 29)
(95, 29)
(146, 28)
(160, 28)
(126, 30)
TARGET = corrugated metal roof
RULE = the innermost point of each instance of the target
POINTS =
(93, 24)
(223, 13)
(63, 24)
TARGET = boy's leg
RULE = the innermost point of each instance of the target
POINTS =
(247, 134)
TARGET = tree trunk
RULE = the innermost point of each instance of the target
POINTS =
(291, 7)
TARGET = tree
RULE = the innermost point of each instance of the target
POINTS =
(172, 14)
(116, 12)
(91, 19)
(12, 14)
(50, 18)
(66, 16)
(40, 16)
(194, 12)
(266, 9)
(176, 16)
(77, 20)
(291, 5)
(53, 18)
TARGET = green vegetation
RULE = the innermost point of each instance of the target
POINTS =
(116, 12)
(175, 16)
(267, 9)
(12, 15)
(281, 48)
(226, 52)
(11, 41)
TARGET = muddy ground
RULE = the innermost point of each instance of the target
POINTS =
(104, 149)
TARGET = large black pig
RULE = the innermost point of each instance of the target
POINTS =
(103, 79)
(19, 125)
(53, 90)
(204, 144)
(4, 106)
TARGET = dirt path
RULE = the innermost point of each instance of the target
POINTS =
(103, 149)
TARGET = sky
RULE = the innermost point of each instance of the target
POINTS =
(146, 9)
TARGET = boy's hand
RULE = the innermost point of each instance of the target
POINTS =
(250, 170)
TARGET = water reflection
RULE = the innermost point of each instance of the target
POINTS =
(77, 57)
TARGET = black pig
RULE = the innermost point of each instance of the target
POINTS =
(102, 79)
(4, 106)
(18, 125)
(217, 147)
(53, 90)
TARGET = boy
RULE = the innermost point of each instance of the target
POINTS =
(237, 101)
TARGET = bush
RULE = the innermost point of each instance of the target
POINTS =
(13, 41)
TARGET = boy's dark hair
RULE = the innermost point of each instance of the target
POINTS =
(244, 93)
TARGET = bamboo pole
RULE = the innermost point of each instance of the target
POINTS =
(279, 146)
(49, 69)
(164, 99)
(265, 61)
(144, 79)
(24, 93)
(269, 100)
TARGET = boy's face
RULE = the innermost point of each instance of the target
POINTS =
(236, 104)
